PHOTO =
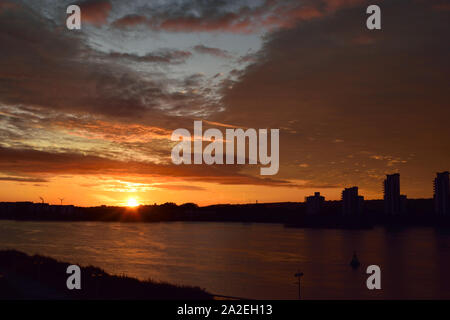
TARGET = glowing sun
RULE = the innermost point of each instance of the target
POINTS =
(132, 202)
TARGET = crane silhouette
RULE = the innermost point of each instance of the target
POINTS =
(61, 199)
(42, 199)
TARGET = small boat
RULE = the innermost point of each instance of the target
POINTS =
(355, 262)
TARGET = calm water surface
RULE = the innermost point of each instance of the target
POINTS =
(248, 260)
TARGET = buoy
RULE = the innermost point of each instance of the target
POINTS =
(355, 262)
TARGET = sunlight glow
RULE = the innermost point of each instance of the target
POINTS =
(132, 202)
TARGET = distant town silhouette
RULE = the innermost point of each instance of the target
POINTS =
(352, 211)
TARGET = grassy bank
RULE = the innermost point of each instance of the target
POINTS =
(37, 277)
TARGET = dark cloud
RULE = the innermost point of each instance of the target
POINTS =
(130, 21)
(51, 67)
(231, 16)
(29, 161)
(378, 93)
(212, 51)
(178, 187)
(251, 57)
(22, 179)
(8, 5)
(163, 56)
(442, 6)
(194, 80)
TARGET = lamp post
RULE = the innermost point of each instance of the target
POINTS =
(298, 275)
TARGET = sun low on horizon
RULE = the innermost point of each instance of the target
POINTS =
(132, 202)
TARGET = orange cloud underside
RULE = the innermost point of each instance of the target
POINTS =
(92, 191)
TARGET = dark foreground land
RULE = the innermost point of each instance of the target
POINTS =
(37, 277)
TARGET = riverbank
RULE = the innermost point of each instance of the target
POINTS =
(37, 277)
(292, 214)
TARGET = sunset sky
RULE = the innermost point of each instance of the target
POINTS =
(86, 115)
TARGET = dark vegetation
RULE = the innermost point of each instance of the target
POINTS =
(37, 277)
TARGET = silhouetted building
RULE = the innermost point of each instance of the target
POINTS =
(394, 203)
(442, 193)
(314, 203)
(403, 203)
(352, 203)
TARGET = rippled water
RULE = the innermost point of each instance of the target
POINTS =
(248, 260)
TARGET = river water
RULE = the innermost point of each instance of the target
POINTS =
(256, 261)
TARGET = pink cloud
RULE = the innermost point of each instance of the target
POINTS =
(6, 5)
(130, 21)
(442, 7)
(271, 15)
(95, 12)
